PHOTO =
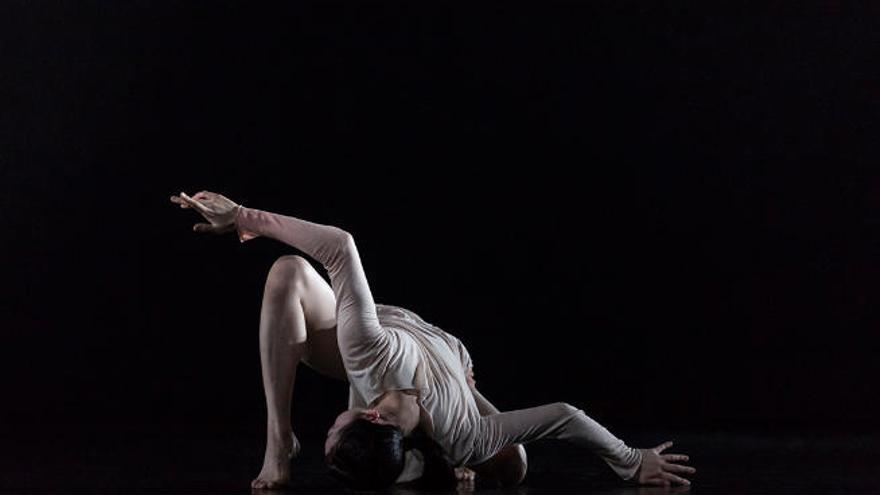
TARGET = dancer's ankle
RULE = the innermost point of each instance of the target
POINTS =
(276, 429)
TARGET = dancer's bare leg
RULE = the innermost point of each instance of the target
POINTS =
(297, 322)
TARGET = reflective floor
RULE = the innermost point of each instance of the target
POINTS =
(179, 460)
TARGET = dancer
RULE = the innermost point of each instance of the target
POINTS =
(414, 409)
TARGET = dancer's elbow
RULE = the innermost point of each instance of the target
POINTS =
(337, 238)
(565, 409)
(345, 241)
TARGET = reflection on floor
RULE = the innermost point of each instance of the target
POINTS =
(180, 461)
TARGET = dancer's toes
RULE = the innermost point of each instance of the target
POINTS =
(268, 484)
(276, 463)
(269, 479)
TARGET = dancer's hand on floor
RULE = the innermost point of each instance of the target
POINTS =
(217, 209)
(464, 474)
(465, 481)
(661, 469)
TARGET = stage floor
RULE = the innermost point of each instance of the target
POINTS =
(179, 460)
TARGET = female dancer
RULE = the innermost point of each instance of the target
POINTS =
(411, 383)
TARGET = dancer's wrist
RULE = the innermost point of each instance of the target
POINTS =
(236, 213)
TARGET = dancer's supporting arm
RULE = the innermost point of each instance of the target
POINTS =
(359, 331)
(566, 422)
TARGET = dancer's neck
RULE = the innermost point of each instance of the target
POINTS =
(400, 408)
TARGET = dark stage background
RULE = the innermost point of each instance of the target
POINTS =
(666, 215)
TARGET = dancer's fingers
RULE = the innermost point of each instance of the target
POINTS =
(663, 446)
(678, 468)
(179, 201)
(464, 474)
(203, 228)
(676, 479)
(194, 203)
(675, 457)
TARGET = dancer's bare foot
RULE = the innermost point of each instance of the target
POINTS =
(280, 450)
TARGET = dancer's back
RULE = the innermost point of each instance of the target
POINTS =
(417, 355)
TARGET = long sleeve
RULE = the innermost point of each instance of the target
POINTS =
(485, 407)
(560, 421)
(358, 329)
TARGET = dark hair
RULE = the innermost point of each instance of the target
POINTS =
(370, 456)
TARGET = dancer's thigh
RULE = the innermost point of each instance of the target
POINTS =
(319, 308)
(323, 354)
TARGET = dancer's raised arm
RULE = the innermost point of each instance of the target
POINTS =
(357, 320)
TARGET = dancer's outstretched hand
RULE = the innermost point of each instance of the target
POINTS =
(661, 469)
(217, 209)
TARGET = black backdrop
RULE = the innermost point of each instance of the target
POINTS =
(665, 215)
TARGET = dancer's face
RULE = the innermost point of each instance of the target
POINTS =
(345, 418)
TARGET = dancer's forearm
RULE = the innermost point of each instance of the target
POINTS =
(324, 243)
(561, 421)
(587, 432)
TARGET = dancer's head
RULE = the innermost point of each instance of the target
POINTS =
(366, 451)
